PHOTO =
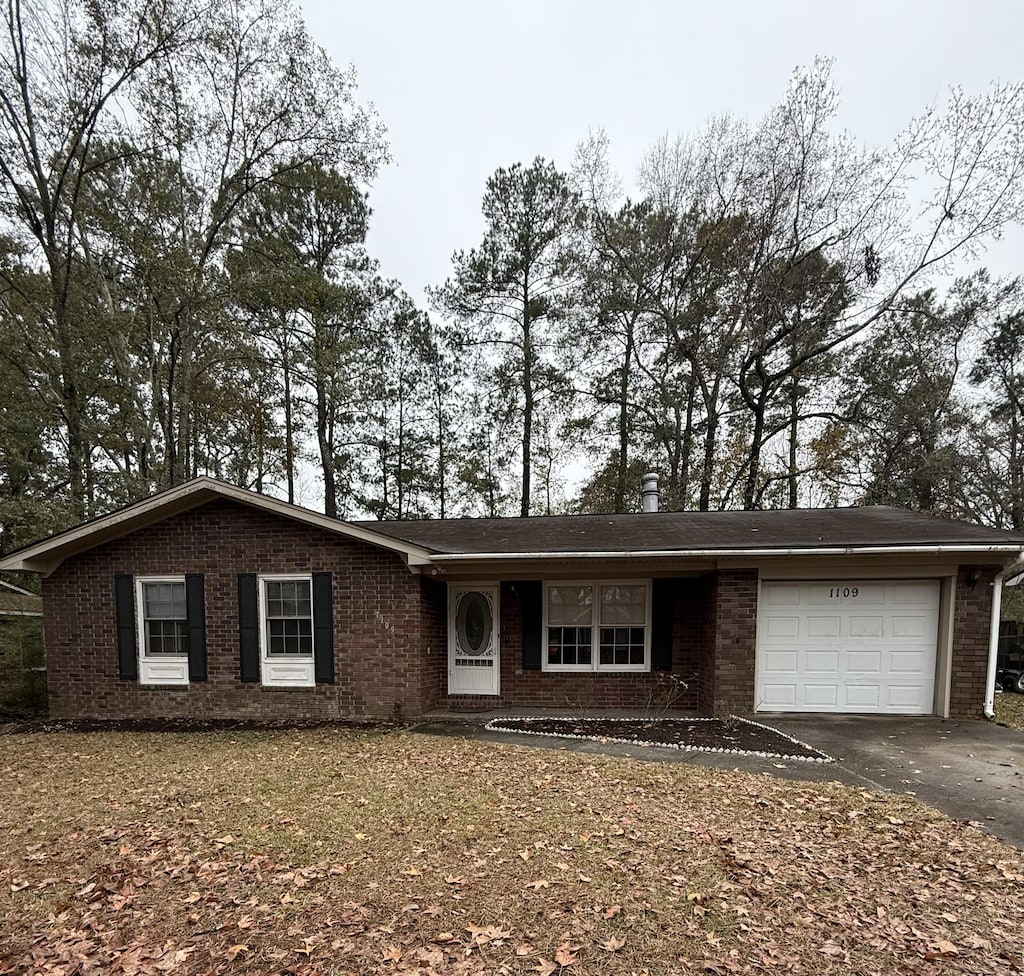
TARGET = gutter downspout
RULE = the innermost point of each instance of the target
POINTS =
(1014, 569)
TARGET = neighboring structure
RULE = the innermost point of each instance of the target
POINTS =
(16, 602)
(20, 652)
(208, 601)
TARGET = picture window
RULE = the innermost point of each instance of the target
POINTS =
(617, 613)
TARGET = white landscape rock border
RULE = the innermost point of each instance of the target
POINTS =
(496, 725)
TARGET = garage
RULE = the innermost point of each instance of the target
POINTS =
(857, 646)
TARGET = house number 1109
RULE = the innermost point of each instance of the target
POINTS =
(837, 592)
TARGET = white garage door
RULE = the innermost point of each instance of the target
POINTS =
(848, 646)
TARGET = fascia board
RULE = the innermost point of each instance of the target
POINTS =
(919, 550)
(45, 556)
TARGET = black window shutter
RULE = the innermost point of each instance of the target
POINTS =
(124, 599)
(323, 629)
(662, 612)
(195, 610)
(248, 627)
(531, 603)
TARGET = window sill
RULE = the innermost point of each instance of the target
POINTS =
(289, 671)
(165, 671)
(606, 669)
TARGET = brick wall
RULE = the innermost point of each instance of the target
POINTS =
(382, 631)
(972, 611)
(707, 646)
(530, 689)
(734, 634)
(434, 603)
(391, 652)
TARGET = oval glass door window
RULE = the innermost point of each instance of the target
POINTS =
(473, 624)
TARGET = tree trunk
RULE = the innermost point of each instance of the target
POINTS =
(707, 472)
(754, 457)
(622, 474)
(326, 451)
(324, 438)
(400, 456)
(442, 460)
(683, 489)
(524, 508)
(289, 427)
(793, 442)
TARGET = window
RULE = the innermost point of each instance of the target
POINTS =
(165, 629)
(602, 626)
(287, 630)
(162, 622)
(289, 617)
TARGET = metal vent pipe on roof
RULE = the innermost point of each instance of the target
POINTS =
(650, 497)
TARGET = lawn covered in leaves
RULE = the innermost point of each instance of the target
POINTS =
(1010, 710)
(333, 851)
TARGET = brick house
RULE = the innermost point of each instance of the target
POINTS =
(209, 601)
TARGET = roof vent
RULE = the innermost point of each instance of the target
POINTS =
(650, 497)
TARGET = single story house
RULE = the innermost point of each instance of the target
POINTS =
(209, 601)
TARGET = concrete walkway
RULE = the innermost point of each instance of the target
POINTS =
(972, 771)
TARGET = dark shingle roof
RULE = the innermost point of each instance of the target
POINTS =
(837, 528)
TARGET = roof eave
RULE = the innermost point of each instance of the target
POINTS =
(45, 556)
(910, 550)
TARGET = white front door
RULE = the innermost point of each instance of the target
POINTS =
(848, 646)
(473, 659)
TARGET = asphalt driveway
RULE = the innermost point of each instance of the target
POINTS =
(972, 771)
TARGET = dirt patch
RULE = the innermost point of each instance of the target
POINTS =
(732, 735)
(1010, 710)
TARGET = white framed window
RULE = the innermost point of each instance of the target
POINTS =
(162, 621)
(597, 625)
(286, 630)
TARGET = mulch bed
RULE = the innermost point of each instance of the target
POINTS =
(733, 735)
(182, 725)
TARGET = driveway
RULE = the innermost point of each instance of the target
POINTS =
(971, 771)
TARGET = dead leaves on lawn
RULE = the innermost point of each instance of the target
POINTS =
(401, 856)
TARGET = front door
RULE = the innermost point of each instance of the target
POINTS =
(472, 639)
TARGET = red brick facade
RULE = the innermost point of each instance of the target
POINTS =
(386, 635)
(650, 691)
(730, 635)
(972, 608)
(390, 632)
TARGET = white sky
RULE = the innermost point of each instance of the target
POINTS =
(465, 87)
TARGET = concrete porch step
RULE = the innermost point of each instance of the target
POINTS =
(471, 703)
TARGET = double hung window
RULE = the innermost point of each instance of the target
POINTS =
(287, 630)
(289, 616)
(162, 630)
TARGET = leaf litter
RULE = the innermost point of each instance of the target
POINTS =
(325, 851)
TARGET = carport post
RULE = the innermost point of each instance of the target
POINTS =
(1016, 567)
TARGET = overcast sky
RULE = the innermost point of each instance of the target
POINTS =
(465, 87)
